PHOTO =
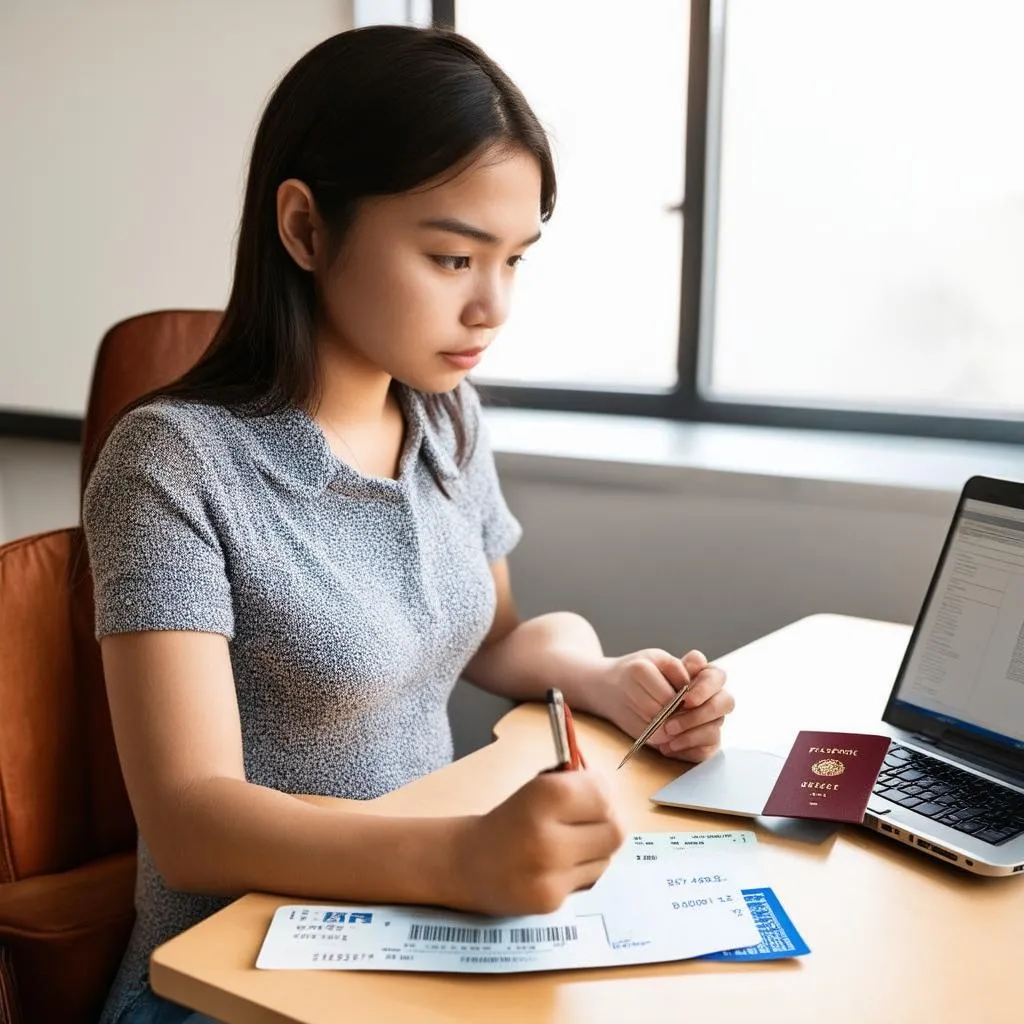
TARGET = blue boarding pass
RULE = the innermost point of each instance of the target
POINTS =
(779, 939)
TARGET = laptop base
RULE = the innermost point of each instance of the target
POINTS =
(738, 781)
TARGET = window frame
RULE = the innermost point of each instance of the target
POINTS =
(698, 221)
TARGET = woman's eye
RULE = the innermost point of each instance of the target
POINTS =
(463, 262)
(452, 262)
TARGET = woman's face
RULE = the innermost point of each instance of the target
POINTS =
(423, 280)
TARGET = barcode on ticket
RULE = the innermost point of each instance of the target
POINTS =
(492, 936)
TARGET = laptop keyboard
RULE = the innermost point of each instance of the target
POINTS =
(949, 795)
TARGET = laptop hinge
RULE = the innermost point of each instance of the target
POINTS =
(947, 743)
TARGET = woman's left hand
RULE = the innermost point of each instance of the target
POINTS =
(637, 686)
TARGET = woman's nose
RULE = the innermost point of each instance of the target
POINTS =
(489, 305)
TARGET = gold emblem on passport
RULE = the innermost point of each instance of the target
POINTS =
(828, 767)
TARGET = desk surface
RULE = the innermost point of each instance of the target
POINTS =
(895, 935)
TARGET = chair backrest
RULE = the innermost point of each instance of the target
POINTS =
(65, 889)
(136, 356)
(45, 763)
(63, 805)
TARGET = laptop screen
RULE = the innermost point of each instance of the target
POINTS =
(967, 665)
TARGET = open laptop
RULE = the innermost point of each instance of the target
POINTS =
(952, 783)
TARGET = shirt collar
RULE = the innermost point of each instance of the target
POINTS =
(435, 440)
(291, 448)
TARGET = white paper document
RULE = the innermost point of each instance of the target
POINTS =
(665, 896)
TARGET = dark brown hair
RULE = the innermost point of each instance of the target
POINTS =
(369, 112)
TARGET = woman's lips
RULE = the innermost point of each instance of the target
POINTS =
(465, 359)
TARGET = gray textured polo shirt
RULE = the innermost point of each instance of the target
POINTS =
(352, 604)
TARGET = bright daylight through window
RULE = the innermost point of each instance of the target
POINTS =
(597, 300)
(870, 244)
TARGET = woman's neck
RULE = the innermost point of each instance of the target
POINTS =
(353, 391)
(359, 413)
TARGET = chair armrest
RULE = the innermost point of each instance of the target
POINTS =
(69, 903)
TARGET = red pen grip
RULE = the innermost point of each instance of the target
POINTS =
(575, 757)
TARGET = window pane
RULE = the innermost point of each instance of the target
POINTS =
(871, 222)
(597, 300)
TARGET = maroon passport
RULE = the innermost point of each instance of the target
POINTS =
(828, 775)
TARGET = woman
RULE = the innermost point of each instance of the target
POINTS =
(300, 546)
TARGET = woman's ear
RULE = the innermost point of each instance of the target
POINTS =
(299, 224)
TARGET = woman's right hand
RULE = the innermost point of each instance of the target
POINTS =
(553, 836)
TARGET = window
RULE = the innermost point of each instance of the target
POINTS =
(597, 301)
(870, 241)
(852, 249)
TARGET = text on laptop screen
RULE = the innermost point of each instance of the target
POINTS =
(967, 665)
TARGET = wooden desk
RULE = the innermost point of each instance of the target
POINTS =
(895, 935)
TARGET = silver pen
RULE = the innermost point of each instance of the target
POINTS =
(660, 717)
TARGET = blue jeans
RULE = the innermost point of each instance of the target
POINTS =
(149, 1008)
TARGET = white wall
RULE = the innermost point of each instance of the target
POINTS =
(38, 487)
(126, 127)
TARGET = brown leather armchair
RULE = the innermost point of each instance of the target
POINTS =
(67, 835)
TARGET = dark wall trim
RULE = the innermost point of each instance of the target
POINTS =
(442, 13)
(40, 428)
(693, 206)
(619, 403)
(955, 428)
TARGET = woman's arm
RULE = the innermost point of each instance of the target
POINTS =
(522, 660)
(175, 718)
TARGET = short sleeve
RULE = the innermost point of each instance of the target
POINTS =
(148, 509)
(500, 529)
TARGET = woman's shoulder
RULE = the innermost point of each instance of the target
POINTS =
(179, 415)
(166, 432)
(166, 458)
